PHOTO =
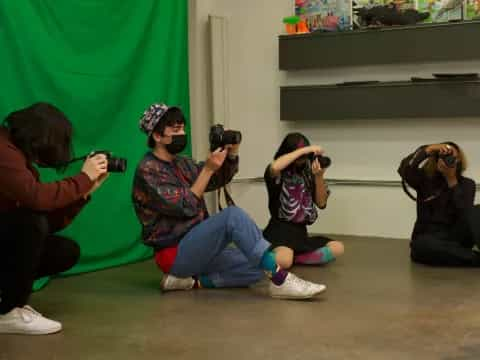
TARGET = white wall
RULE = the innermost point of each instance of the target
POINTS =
(360, 149)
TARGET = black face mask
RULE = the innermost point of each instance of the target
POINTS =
(178, 144)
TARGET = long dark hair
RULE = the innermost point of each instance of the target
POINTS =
(43, 133)
(290, 143)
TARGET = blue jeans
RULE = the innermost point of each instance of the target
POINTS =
(203, 250)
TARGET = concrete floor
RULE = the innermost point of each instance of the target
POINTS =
(377, 306)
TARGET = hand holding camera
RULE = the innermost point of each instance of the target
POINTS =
(315, 154)
(215, 159)
(444, 152)
(100, 162)
(447, 163)
(115, 164)
(438, 149)
(317, 169)
(95, 166)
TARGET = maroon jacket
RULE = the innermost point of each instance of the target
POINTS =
(20, 188)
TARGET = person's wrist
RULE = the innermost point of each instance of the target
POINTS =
(430, 149)
(208, 170)
(452, 180)
(89, 176)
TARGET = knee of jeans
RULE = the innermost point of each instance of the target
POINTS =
(235, 216)
(235, 212)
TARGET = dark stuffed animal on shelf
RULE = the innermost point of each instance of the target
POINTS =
(388, 15)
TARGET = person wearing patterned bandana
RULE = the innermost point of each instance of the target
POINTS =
(296, 187)
(191, 247)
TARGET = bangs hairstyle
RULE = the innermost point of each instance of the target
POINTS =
(291, 142)
(430, 166)
(43, 133)
(174, 116)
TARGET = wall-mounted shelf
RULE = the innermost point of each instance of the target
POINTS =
(385, 100)
(389, 45)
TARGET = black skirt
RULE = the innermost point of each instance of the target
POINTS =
(293, 236)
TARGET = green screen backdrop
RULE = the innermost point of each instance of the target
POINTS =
(102, 62)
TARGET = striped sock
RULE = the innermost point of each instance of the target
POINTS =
(273, 271)
(318, 257)
(205, 282)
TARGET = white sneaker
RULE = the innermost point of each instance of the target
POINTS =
(27, 321)
(295, 288)
(170, 283)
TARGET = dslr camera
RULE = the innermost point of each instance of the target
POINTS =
(219, 137)
(324, 161)
(115, 165)
(448, 159)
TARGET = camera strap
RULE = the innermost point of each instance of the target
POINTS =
(410, 195)
(407, 191)
(228, 198)
(222, 176)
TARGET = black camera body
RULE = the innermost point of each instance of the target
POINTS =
(448, 159)
(324, 161)
(115, 165)
(219, 137)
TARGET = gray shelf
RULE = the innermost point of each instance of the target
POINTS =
(392, 45)
(386, 100)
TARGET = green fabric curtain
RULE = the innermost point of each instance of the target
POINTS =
(102, 62)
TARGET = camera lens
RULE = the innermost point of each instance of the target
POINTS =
(117, 165)
(324, 161)
(449, 160)
(232, 137)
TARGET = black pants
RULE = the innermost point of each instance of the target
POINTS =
(27, 252)
(294, 236)
(449, 247)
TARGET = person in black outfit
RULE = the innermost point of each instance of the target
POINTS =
(296, 188)
(446, 230)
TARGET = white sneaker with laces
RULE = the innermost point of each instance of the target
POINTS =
(295, 288)
(171, 283)
(27, 321)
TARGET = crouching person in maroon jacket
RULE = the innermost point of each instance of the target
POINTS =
(32, 212)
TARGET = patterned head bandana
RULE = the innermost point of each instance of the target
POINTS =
(152, 116)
